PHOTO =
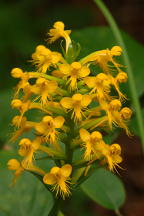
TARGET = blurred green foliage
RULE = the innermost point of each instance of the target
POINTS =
(105, 188)
(24, 25)
(29, 197)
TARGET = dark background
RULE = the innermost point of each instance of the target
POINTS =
(24, 24)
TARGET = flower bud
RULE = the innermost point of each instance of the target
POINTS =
(115, 104)
(59, 25)
(16, 73)
(96, 135)
(76, 65)
(16, 103)
(16, 120)
(115, 149)
(13, 164)
(122, 77)
(116, 50)
(25, 142)
(101, 76)
(126, 113)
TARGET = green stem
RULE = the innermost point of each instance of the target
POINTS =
(56, 210)
(132, 84)
(47, 108)
(70, 136)
(46, 76)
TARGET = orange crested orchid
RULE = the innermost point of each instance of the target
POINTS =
(100, 86)
(116, 115)
(92, 144)
(77, 103)
(112, 156)
(73, 72)
(43, 58)
(45, 89)
(21, 106)
(25, 126)
(59, 178)
(48, 128)
(103, 57)
(28, 148)
(57, 32)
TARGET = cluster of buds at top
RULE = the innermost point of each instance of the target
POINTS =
(78, 108)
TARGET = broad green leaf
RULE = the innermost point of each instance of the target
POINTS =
(98, 38)
(27, 197)
(105, 188)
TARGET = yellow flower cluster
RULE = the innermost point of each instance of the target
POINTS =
(77, 108)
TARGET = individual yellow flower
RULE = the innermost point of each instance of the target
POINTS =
(18, 73)
(59, 178)
(100, 85)
(58, 31)
(28, 148)
(77, 103)
(18, 167)
(14, 164)
(93, 144)
(120, 78)
(21, 106)
(112, 110)
(113, 156)
(25, 126)
(44, 88)
(43, 58)
(103, 57)
(74, 72)
(47, 127)
(116, 116)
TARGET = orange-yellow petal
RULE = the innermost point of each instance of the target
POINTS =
(90, 82)
(54, 170)
(77, 97)
(65, 69)
(59, 121)
(84, 135)
(49, 179)
(66, 170)
(84, 71)
(86, 100)
(66, 102)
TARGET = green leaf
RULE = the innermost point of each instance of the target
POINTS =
(97, 38)
(105, 188)
(27, 197)
(6, 114)
(133, 126)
